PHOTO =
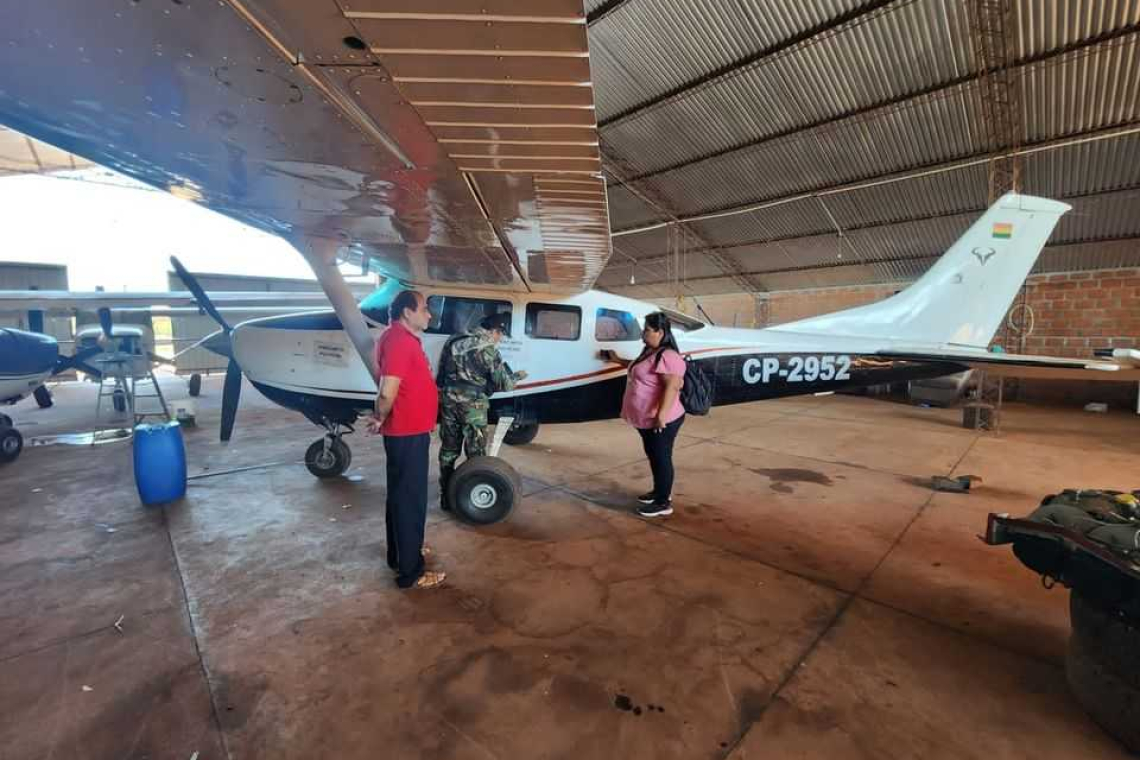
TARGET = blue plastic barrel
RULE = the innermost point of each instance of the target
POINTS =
(160, 463)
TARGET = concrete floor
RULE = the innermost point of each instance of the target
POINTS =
(811, 597)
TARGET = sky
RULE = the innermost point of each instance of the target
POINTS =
(113, 232)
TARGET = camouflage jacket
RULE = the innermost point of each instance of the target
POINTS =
(472, 363)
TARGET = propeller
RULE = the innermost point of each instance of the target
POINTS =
(78, 361)
(105, 321)
(219, 342)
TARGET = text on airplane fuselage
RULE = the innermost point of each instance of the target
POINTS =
(797, 369)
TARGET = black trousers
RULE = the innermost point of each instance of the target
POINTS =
(659, 451)
(406, 509)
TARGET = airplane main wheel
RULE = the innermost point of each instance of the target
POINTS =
(484, 490)
(119, 399)
(520, 435)
(43, 397)
(195, 385)
(328, 462)
(11, 444)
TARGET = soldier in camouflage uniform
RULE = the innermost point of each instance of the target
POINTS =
(470, 370)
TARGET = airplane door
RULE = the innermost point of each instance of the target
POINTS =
(555, 344)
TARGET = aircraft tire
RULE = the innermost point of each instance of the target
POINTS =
(11, 444)
(43, 397)
(331, 463)
(119, 400)
(195, 385)
(5, 421)
(484, 490)
(520, 435)
(1101, 667)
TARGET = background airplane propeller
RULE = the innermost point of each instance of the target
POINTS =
(105, 322)
(219, 342)
(78, 361)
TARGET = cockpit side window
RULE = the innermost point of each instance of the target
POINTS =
(451, 315)
(614, 325)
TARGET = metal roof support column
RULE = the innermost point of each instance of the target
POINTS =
(993, 28)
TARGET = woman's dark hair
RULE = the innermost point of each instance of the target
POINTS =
(659, 321)
(405, 299)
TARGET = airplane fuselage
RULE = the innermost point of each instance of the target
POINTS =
(28, 359)
(306, 362)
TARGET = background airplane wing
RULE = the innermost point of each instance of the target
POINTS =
(441, 142)
(1024, 365)
(64, 300)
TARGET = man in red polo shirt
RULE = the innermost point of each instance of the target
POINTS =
(405, 413)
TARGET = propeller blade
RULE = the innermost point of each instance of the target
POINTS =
(231, 395)
(105, 322)
(77, 361)
(191, 283)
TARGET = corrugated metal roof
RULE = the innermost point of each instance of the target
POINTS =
(1083, 169)
(628, 207)
(1083, 91)
(1102, 217)
(1042, 27)
(742, 139)
(649, 47)
(1074, 258)
(928, 131)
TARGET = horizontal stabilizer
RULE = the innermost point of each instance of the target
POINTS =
(1022, 365)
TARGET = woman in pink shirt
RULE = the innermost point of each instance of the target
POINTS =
(652, 404)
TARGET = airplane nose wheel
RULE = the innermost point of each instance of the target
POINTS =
(520, 435)
(484, 490)
(328, 457)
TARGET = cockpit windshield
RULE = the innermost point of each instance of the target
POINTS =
(374, 306)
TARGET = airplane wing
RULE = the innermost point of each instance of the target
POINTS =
(441, 142)
(64, 300)
(1120, 368)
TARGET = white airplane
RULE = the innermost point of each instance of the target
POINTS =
(941, 324)
(28, 358)
(451, 146)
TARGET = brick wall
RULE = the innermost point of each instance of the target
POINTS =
(1077, 312)
(788, 306)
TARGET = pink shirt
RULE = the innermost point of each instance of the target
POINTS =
(644, 387)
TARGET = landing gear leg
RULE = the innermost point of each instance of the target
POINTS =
(329, 456)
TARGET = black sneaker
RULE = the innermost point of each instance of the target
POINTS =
(647, 498)
(656, 509)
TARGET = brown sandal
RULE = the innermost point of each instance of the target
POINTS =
(430, 579)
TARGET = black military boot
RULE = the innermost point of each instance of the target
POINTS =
(444, 478)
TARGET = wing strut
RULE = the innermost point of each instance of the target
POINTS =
(321, 255)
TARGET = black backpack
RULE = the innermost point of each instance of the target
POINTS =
(699, 390)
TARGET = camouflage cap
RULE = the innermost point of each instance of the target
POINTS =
(500, 322)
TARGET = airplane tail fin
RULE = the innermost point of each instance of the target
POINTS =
(963, 298)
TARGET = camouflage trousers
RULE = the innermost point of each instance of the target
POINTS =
(462, 426)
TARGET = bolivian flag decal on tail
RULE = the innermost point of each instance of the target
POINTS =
(1003, 230)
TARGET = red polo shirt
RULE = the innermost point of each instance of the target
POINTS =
(399, 353)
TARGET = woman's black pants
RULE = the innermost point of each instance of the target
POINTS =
(659, 451)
